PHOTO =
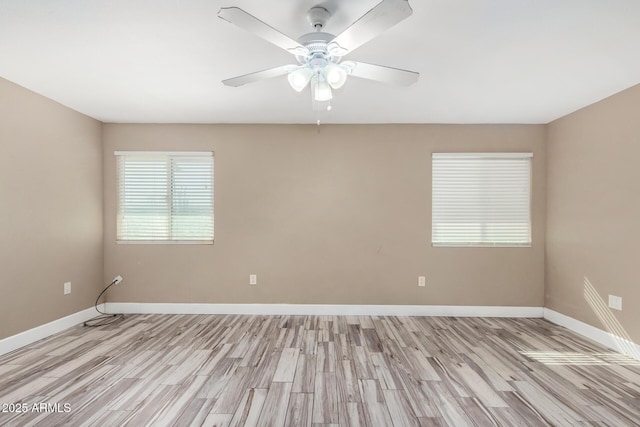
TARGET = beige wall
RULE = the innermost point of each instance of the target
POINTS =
(328, 215)
(336, 215)
(50, 209)
(593, 213)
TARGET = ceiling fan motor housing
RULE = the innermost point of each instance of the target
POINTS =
(317, 43)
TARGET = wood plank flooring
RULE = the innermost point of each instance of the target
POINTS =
(231, 370)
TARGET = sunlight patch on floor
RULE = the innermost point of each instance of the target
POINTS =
(580, 359)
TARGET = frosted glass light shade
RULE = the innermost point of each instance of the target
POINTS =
(299, 79)
(335, 75)
(321, 90)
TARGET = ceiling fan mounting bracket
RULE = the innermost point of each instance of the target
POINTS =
(318, 17)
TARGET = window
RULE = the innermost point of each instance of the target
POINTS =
(481, 199)
(165, 197)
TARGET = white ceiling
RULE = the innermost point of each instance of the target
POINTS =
(481, 61)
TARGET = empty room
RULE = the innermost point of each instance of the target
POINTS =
(319, 213)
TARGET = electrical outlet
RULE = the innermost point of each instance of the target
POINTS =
(615, 302)
(422, 281)
(117, 280)
(67, 288)
(253, 279)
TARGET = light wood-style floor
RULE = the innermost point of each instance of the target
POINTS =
(230, 370)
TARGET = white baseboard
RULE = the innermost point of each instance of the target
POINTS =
(600, 336)
(39, 332)
(32, 335)
(325, 309)
(604, 338)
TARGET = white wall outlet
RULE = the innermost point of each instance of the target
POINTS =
(615, 302)
(253, 279)
(67, 288)
(422, 281)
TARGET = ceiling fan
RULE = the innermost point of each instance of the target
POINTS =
(319, 54)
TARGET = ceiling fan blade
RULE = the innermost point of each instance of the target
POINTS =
(258, 75)
(382, 17)
(384, 74)
(253, 25)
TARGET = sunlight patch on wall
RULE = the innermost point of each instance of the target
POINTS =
(623, 342)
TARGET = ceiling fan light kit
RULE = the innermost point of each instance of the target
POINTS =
(319, 54)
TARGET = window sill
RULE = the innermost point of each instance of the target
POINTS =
(164, 242)
(464, 245)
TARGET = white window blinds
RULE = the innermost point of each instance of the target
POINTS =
(165, 197)
(481, 199)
